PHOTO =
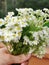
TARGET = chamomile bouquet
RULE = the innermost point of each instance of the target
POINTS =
(28, 32)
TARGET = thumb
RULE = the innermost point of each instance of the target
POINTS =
(20, 58)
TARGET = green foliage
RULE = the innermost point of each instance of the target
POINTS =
(19, 48)
(2, 14)
(46, 24)
(35, 4)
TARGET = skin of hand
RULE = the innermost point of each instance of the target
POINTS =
(25, 63)
(7, 59)
(47, 52)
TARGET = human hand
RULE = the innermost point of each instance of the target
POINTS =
(7, 59)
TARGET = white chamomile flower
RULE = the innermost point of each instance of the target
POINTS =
(26, 38)
(45, 9)
(31, 50)
(35, 42)
(22, 23)
(25, 42)
(10, 13)
(1, 32)
(36, 36)
(2, 22)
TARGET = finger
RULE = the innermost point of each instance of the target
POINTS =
(25, 63)
(23, 58)
(20, 58)
(28, 56)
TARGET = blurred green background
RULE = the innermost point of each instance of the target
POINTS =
(10, 5)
